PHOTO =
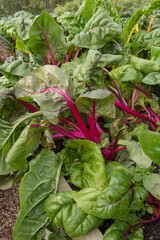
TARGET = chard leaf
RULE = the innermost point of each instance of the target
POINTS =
(119, 227)
(152, 184)
(139, 196)
(99, 30)
(73, 22)
(101, 102)
(150, 143)
(35, 187)
(114, 202)
(9, 136)
(145, 66)
(50, 101)
(90, 71)
(89, 8)
(22, 22)
(85, 163)
(155, 54)
(152, 78)
(126, 73)
(136, 153)
(16, 68)
(46, 36)
(86, 199)
(62, 209)
(133, 22)
(5, 49)
(25, 145)
(113, 11)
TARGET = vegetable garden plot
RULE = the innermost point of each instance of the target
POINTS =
(77, 98)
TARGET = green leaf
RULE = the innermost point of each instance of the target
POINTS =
(150, 143)
(155, 54)
(73, 22)
(9, 135)
(50, 101)
(17, 68)
(145, 66)
(89, 8)
(86, 199)
(152, 78)
(119, 227)
(113, 11)
(126, 73)
(90, 71)
(140, 195)
(136, 153)
(25, 145)
(99, 30)
(56, 234)
(35, 187)
(62, 209)
(46, 36)
(152, 184)
(99, 101)
(85, 163)
(22, 22)
(114, 202)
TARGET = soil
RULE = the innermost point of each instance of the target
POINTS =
(9, 207)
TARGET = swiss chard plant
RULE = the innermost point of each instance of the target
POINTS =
(78, 98)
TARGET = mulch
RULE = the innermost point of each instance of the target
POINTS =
(9, 207)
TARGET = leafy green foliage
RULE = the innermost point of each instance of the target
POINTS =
(85, 163)
(35, 187)
(63, 210)
(98, 31)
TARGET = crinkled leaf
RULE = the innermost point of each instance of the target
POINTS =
(35, 187)
(145, 66)
(113, 11)
(136, 153)
(85, 163)
(64, 212)
(46, 36)
(22, 22)
(155, 54)
(5, 49)
(152, 78)
(119, 227)
(126, 73)
(90, 71)
(101, 102)
(150, 143)
(56, 234)
(114, 202)
(73, 22)
(140, 195)
(17, 68)
(152, 184)
(89, 8)
(86, 199)
(99, 30)
(46, 77)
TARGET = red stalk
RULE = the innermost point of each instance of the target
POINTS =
(29, 106)
(50, 51)
(69, 55)
(46, 60)
(76, 54)
(132, 112)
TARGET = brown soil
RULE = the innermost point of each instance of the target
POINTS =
(9, 207)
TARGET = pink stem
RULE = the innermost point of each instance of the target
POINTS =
(70, 123)
(50, 51)
(76, 54)
(132, 112)
(69, 55)
(119, 149)
(29, 106)
(46, 60)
